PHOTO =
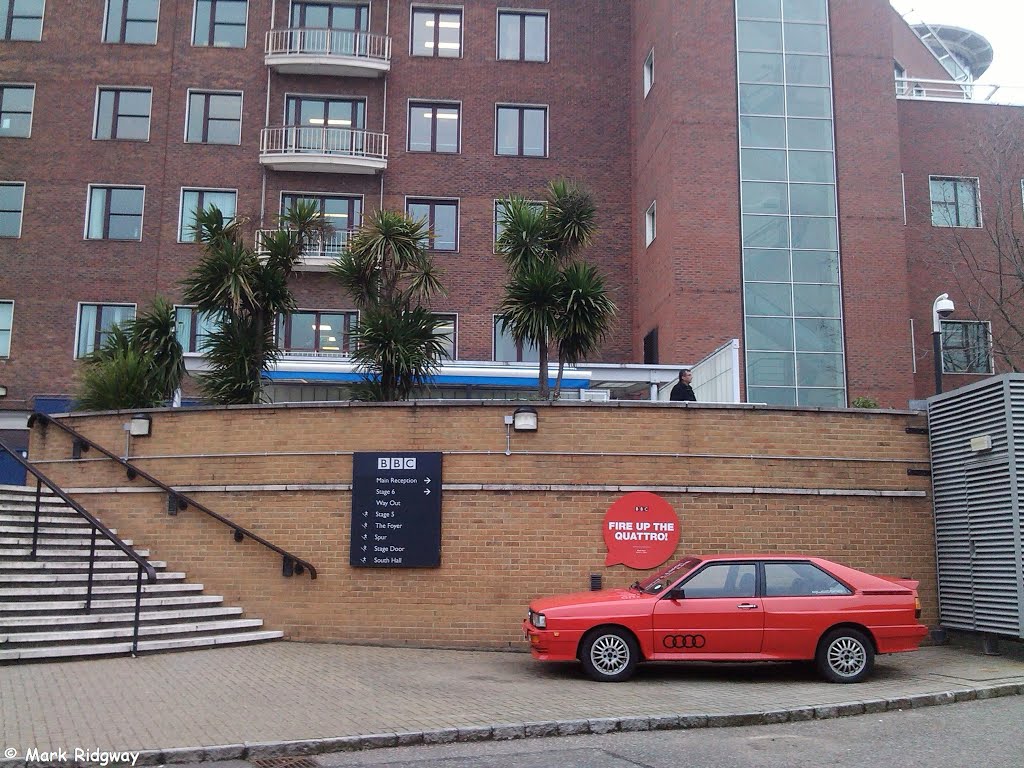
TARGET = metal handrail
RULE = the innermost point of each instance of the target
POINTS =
(321, 41)
(291, 563)
(141, 563)
(323, 140)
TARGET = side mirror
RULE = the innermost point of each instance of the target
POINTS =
(677, 594)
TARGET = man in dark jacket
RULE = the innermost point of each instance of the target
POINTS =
(682, 391)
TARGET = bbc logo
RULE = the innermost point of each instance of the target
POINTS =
(397, 463)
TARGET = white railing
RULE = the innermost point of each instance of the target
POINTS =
(345, 43)
(326, 245)
(947, 90)
(306, 140)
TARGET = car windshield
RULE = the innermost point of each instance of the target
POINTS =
(668, 576)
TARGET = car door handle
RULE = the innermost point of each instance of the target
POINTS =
(747, 606)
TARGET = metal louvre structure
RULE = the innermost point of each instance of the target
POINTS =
(977, 451)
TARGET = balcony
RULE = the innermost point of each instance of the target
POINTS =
(948, 90)
(323, 150)
(336, 52)
(320, 252)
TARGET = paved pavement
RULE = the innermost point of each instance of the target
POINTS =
(296, 698)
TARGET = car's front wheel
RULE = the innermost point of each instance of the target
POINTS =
(609, 655)
(845, 656)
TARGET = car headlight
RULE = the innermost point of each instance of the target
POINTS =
(538, 620)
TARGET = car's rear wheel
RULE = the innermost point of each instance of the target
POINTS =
(609, 655)
(845, 656)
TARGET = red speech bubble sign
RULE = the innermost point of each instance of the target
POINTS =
(641, 530)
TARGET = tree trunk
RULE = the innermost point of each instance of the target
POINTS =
(558, 379)
(542, 372)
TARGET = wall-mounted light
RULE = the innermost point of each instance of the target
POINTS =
(525, 419)
(3, 391)
(140, 425)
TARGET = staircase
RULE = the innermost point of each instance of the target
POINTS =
(42, 600)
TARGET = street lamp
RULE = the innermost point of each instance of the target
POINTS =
(941, 307)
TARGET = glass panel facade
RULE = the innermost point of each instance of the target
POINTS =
(131, 21)
(966, 347)
(792, 298)
(6, 324)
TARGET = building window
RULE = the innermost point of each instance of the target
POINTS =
(22, 19)
(214, 118)
(313, 332)
(309, 19)
(442, 216)
(341, 213)
(900, 75)
(123, 113)
(966, 347)
(6, 325)
(220, 23)
(499, 217)
(95, 323)
(507, 350)
(115, 213)
(193, 328)
(195, 200)
(16, 109)
(522, 131)
(522, 36)
(447, 331)
(651, 223)
(437, 32)
(954, 202)
(12, 203)
(131, 21)
(651, 347)
(433, 127)
(648, 73)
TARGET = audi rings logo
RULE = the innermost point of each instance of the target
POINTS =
(683, 641)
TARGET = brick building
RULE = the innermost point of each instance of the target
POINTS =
(758, 175)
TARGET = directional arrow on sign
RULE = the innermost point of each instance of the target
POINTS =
(364, 537)
(426, 491)
(365, 525)
(366, 514)
(364, 547)
(364, 559)
(426, 480)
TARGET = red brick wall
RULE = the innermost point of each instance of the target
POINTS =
(51, 267)
(514, 527)
(688, 283)
(874, 272)
(970, 140)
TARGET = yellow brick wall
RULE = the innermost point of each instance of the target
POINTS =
(501, 546)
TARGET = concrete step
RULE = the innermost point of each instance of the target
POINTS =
(147, 588)
(50, 552)
(57, 566)
(46, 517)
(50, 530)
(108, 649)
(70, 636)
(103, 604)
(147, 614)
(77, 540)
(12, 580)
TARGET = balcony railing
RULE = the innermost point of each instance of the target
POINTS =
(947, 90)
(343, 52)
(320, 252)
(323, 149)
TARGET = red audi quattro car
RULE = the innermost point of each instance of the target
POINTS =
(733, 608)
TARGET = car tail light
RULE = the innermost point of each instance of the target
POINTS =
(917, 607)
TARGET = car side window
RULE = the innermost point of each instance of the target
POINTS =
(722, 580)
(800, 580)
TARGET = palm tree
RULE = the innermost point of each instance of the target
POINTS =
(550, 296)
(387, 271)
(246, 291)
(154, 333)
(138, 366)
(585, 315)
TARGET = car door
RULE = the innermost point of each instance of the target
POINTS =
(716, 613)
